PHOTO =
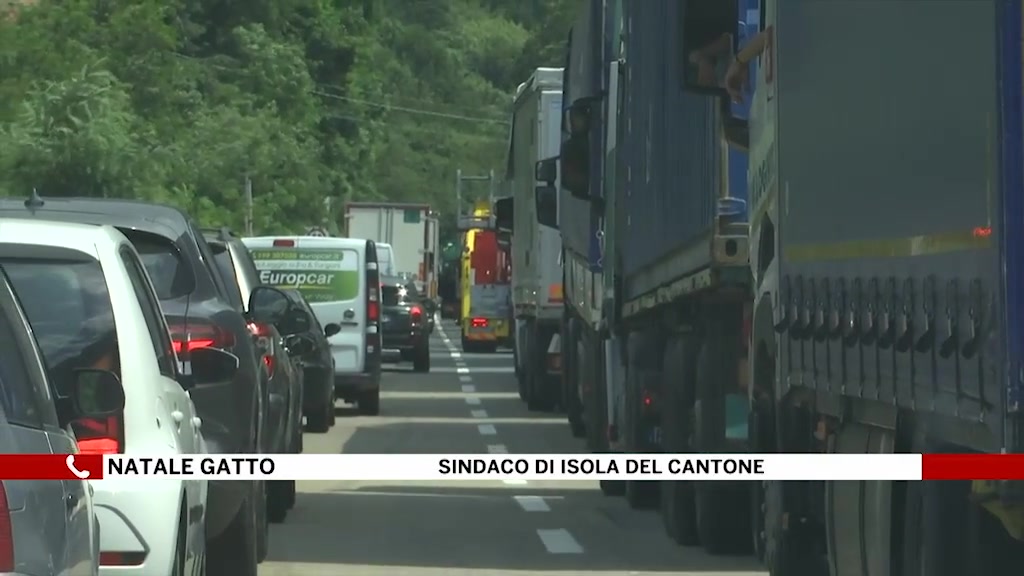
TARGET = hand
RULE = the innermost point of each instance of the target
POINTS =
(736, 80)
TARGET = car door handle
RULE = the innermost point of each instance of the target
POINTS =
(197, 422)
(178, 417)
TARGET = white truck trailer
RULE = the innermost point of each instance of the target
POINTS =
(410, 229)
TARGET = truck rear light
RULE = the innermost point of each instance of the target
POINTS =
(416, 314)
(284, 243)
(199, 335)
(478, 322)
(6, 533)
(100, 435)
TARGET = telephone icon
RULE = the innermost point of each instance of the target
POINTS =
(70, 461)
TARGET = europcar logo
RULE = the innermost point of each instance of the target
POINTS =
(295, 278)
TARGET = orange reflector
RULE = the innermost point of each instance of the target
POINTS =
(555, 293)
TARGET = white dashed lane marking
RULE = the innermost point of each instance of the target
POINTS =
(559, 541)
(514, 482)
(473, 401)
(478, 413)
(532, 503)
(487, 429)
(462, 370)
(468, 388)
(497, 449)
(465, 378)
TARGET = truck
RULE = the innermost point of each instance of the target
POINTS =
(885, 242)
(532, 210)
(411, 230)
(658, 281)
(484, 283)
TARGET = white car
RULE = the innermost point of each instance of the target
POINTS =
(92, 307)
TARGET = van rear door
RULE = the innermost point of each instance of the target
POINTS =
(330, 275)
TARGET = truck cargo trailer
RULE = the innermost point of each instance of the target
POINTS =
(886, 234)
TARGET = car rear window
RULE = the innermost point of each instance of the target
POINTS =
(389, 295)
(320, 275)
(68, 305)
(226, 268)
(164, 265)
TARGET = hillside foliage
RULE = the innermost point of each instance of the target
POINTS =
(316, 102)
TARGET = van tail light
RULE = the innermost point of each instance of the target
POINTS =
(6, 533)
(372, 310)
(100, 435)
(199, 335)
(416, 314)
(478, 322)
(284, 243)
(262, 336)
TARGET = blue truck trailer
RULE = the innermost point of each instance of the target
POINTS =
(655, 335)
(887, 221)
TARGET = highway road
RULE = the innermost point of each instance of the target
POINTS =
(467, 404)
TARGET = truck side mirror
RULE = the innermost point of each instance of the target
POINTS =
(503, 213)
(708, 30)
(547, 206)
(546, 171)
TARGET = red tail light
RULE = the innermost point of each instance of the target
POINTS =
(122, 558)
(416, 314)
(100, 435)
(478, 322)
(372, 310)
(283, 243)
(200, 336)
(6, 533)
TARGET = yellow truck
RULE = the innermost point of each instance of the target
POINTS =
(485, 285)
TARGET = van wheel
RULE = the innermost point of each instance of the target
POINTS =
(234, 551)
(369, 403)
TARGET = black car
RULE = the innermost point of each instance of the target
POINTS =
(196, 304)
(314, 352)
(280, 376)
(405, 332)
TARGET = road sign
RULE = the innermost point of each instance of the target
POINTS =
(317, 231)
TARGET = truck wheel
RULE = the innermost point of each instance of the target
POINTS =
(613, 487)
(640, 494)
(369, 402)
(468, 346)
(575, 350)
(539, 394)
(678, 508)
(723, 510)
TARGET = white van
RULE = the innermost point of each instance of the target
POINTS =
(340, 280)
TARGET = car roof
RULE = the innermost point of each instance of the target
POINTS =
(82, 238)
(154, 218)
(307, 241)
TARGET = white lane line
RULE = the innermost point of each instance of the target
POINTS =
(532, 503)
(465, 378)
(478, 413)
(497, 449)
(514, 482)
(559, 541)
(468, 388)
(462, 370)
(456, 354)
(473, 401)
(487, 429)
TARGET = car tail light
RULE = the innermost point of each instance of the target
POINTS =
(284, 243)
(198, 335)
(6, 533)
(100, 435)
(478, 322)
(416, 314)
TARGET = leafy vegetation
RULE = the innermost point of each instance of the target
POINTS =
(315, 102)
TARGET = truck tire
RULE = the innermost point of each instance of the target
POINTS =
(540, 396)
(723, 509)
(678, 507)
(573, 350)
(421, 359)
(369, 402)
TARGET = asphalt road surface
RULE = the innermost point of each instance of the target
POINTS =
(467, 404)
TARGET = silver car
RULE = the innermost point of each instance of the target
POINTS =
(46, 526)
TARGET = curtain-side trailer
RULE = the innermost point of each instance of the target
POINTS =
(887, 201)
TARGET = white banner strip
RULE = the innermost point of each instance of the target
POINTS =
(557, 467)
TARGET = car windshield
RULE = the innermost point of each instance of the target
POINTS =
(68, 305)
